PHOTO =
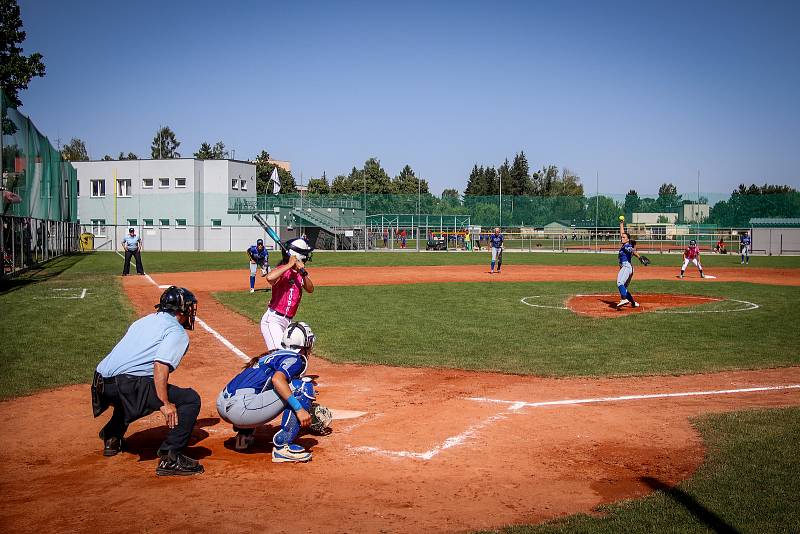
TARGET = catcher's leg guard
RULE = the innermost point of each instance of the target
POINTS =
(303, 390)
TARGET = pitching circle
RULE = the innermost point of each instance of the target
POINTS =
(546, 301)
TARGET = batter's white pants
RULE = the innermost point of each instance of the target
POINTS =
(696, 261)
(272, 328)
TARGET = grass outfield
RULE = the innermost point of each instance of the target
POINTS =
(166, 262)
(462, 325)
(748, 483)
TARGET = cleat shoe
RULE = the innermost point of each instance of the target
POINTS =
(622, 303)
(243, 441)
(702, 275)
(635, 304)
(290, 453)
(112, 446)
(174, 463)
(252, 290)
(680, 276)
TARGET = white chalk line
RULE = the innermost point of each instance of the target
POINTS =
(71, 297)
(449, 443)
(748, 306)
(517, 405)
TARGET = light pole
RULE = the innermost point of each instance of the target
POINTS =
(419, 198)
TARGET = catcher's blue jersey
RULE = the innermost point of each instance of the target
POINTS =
(292, 364)
(625, 253)
(496, 241)
(259, 256)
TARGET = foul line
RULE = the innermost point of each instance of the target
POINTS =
(211, 331)
(517, 405)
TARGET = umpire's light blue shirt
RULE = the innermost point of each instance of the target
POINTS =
(158, 337)
(131, 241)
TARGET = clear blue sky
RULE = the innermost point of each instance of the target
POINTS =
(639, 92)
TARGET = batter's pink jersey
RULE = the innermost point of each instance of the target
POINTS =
(286, 293)
(691, 253)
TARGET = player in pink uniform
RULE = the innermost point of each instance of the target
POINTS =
(692, 254)
(288, 280)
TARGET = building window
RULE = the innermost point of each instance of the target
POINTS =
(98, 188)
(147, 183)
(180, 223)
(99, 227)
(216, 223)
(235, 184)
(132, 222)
(180, 182)
(78, 191)
(163, 182)
(243, 185)
(164, 223)
(148, 223)
(123, 188)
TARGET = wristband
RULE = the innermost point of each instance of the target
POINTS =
(294, 403)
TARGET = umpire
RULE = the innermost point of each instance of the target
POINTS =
(134, 380)
(132, 245)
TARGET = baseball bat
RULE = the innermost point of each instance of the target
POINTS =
(274, 236)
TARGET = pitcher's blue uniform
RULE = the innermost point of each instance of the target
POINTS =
(259, 258)
(496, 245)
(249, 399)
(625, 272)
(744, 247)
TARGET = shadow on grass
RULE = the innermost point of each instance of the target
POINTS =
(711, 520)
(40, 273)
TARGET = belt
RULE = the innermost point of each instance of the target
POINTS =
(281, 314)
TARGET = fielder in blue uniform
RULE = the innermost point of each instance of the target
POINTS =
(134, 379)
(259, 259)
(269, 385)
(626, 251)
(496, 245)
(745, 242)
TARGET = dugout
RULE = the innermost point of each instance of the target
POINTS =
(776, 236)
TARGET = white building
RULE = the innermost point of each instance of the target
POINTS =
(174, 204)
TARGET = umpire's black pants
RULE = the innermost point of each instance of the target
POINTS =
(127, 267)
(186, 401)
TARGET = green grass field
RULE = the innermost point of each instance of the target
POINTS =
(747, 485)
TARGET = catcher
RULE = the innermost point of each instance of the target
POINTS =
(625, 274)
(259, 259)
(271, 384)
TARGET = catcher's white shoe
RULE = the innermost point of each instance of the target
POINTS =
(243, 441)
(290, 453)
(622, 303)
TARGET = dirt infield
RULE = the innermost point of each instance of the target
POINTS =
(605, 305)
(438, 450)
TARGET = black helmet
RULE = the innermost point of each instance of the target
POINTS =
(692, 243)
(176, 299)
(260, 242)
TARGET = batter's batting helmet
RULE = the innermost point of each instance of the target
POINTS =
(692, 243)
(300, 248)
(298, 336)
(176, 299)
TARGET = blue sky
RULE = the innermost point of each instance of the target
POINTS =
(637, 92)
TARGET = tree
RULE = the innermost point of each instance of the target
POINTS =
(75, 150)
(264, 171)
(519, 176)
(632, 203)
(407, 183)
(16, 69)
(165, 144)
(668, 198)
(204, 152)
(568, 185)
(476, 182)
(504, 178)
(319, 186)
(107, 158)
(450, 197)
(207, 151)
(377, 180)
(123, 157)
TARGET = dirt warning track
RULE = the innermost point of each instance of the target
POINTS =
(438, 450)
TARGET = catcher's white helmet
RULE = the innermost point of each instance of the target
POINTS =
(298, 336)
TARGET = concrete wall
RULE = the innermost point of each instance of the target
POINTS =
(776, 241)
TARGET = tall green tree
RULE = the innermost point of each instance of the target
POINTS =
(131, 156)
(407, 183)
(206, 151)
(165, 144)
(319, 186)
(377, 180)
(75, 150)
(568, 184)
(520, 176)
(632, 203)
(668, 198)
(107, 158)
(16, 69)
(504, 178)
(475, 182)
(264, 171)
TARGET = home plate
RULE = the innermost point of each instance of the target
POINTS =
(345, 414)
(710, 276)
(167, 287)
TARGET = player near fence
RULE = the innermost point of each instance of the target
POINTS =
(692, 255)
(288, 281)
(273, 384)
(626, 251)
(496, 246)
(259, 259)
(745, 242)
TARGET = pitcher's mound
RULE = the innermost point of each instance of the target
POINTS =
(605, 305)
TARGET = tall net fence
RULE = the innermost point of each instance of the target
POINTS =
(39, 195)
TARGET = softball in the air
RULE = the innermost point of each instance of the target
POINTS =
(621, 217)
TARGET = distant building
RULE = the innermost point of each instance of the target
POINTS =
(285, 165)
(776, 236)
(694, 213)
(655, 218)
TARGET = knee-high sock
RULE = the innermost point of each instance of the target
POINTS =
(629, 296)
(623, 291)
(493, 265)
(252, 281)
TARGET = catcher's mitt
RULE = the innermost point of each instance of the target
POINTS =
(321, 418)
(645, 260)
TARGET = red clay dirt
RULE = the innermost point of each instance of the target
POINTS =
(487, 466)
(605, 305)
